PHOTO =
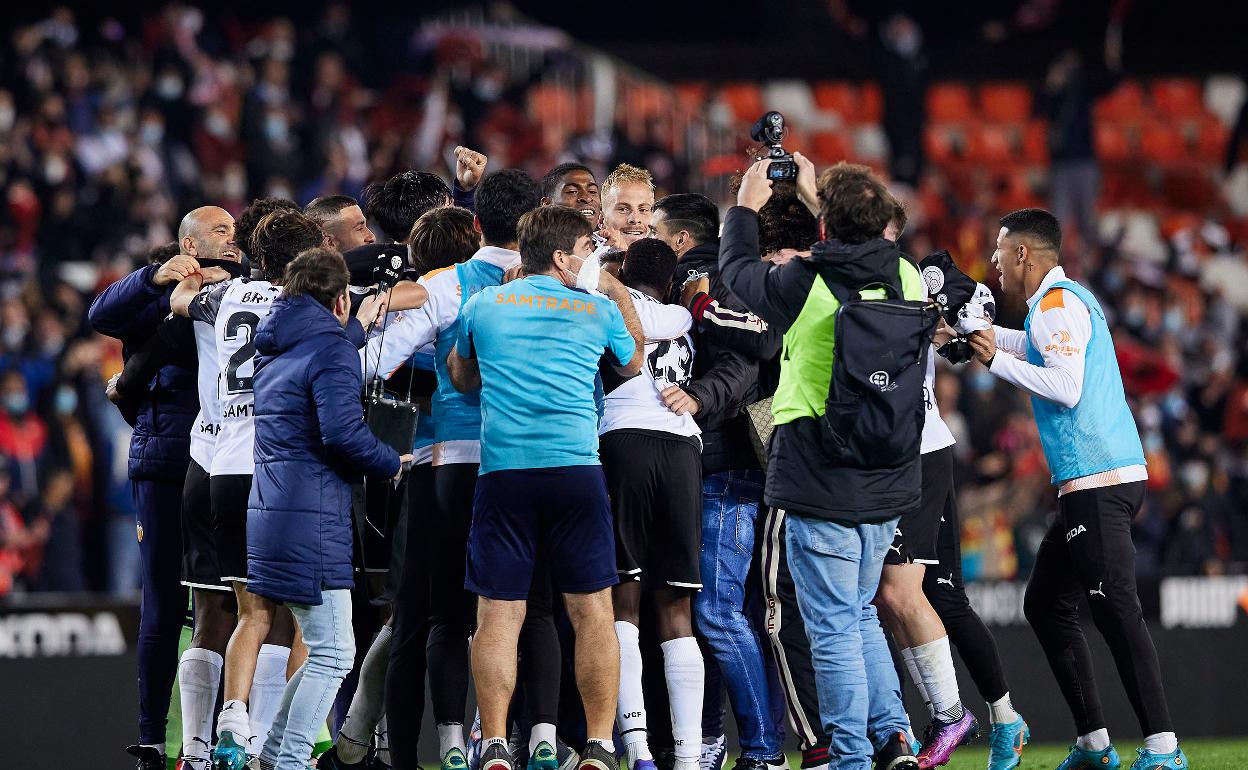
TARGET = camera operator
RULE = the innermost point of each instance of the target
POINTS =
(841, 513)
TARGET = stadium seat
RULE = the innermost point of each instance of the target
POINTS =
(870, 104)
(940, 144)
(1212, 137)
(793, 98)
(691, 97)
(988, 143)
(949, 103)
(831, 147)
(1223, 96)
(870, 142)
(1005, 102)
(745, 99)
(1162, 143)
(647, 99)
(1036, 142)
(1177, 98)
(1124, 104)
(837, 96)
(552, 103)
(1111, 142)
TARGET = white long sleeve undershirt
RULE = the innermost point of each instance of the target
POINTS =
(1060, 330)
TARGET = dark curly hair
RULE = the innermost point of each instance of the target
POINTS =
(854, 205)
(648, 262)
(784, 222)
(396, 203)
(280, 237)
(245, 225)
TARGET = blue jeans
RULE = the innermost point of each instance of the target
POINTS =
(836, 570)
(310, 692)
(730, 504)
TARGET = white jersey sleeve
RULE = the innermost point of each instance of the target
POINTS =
(1061, 331)
(660, 321)
(407, 331)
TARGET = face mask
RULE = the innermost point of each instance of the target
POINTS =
(7, 116)
(983, 381)
(66, 400)
(591, 270)
(217, 125)
(16, 403)
(169, 88)
(275, 128)
(152, 133)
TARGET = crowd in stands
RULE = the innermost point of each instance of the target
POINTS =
(107, 133)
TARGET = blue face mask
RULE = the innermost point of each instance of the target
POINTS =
(66, 400)
(16, 403)
(983, 381)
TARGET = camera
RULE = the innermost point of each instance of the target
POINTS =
(769, 130)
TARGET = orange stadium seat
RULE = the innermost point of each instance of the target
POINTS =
(1162, 143)
(938, 143)
(870, 104)
(1177, 98)
(831, 147)
(691, 96)
(1005, 102)
(1212, 136)
(552, 103)
(1125, 103)
(745, 99)
(949, 103)
(1036, 142)
(838, 97)
(647, 99)
(1111, 142)
(988, 143)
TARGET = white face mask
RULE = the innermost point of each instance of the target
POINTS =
(589, 273)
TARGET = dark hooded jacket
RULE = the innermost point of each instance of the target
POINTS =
(311, 443)
(794, 299)
(728, 351)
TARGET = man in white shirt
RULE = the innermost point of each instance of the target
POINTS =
(1064, 357)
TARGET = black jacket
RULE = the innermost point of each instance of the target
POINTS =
(729, 345)
(800, 476)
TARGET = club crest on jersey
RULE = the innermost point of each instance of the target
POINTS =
(934, 277)
(139, 530)
(1076, 532)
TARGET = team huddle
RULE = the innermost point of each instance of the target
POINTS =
(636, 426)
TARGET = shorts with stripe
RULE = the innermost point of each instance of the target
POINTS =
(918, 532)
(199, 551)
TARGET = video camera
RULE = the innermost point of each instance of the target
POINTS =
(769, 130)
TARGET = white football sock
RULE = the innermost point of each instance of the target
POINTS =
(912, 668)
(607, 744)
(451, 736)
(631, 706)
(935, 663)
(368, 704)
(1097, 740)
(234, 718)
(382, 741)
(199, 677)
(1161, 743)
(686, 676)
(1002, 711)
(267, 686)
(542, 731)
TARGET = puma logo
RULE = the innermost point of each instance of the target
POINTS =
(1076, 532)
(947, 581)
(896, 548)
(1098, 591)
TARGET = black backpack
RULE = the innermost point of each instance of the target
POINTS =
(875, 409)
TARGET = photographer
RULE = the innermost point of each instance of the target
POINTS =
(842, 509)
(310, 441)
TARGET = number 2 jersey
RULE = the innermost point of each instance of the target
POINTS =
(234, 310)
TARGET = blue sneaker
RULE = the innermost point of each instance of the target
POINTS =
(1175, 760)
(1005, 747)
(544, 757)
(454, 760)
(1079, 759)
(645, 764)
(229, 754)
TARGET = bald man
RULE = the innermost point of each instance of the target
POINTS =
(132, 310)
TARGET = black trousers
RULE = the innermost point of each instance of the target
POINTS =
(453, 608)
(1088, 554)
(405, 679)
(942, 585)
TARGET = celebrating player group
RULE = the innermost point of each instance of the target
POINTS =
(562, 441)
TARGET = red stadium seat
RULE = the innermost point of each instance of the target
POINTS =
(552, 103)
(691, 96)
(940, 145)
(1036, 142)
(870, 104)
(1111, 142)
(1162, 143)
(1005, 102)
(646, 100)
(949, 103)
(745, 99)
(1124, 104)
(1177, 98)
(831, 147)
(1211, 140)
(838, 97)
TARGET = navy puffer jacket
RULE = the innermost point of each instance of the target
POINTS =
(311, 443)
(131, 310)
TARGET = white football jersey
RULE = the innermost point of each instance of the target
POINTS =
(235, 315)
(636, 402)
(936, 434)
(208, 421)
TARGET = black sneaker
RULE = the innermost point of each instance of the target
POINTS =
(595, 757)
(330, 761)
(148, 758)
(495, 756)
(896, 755)
(747, 763)
(664, 757)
